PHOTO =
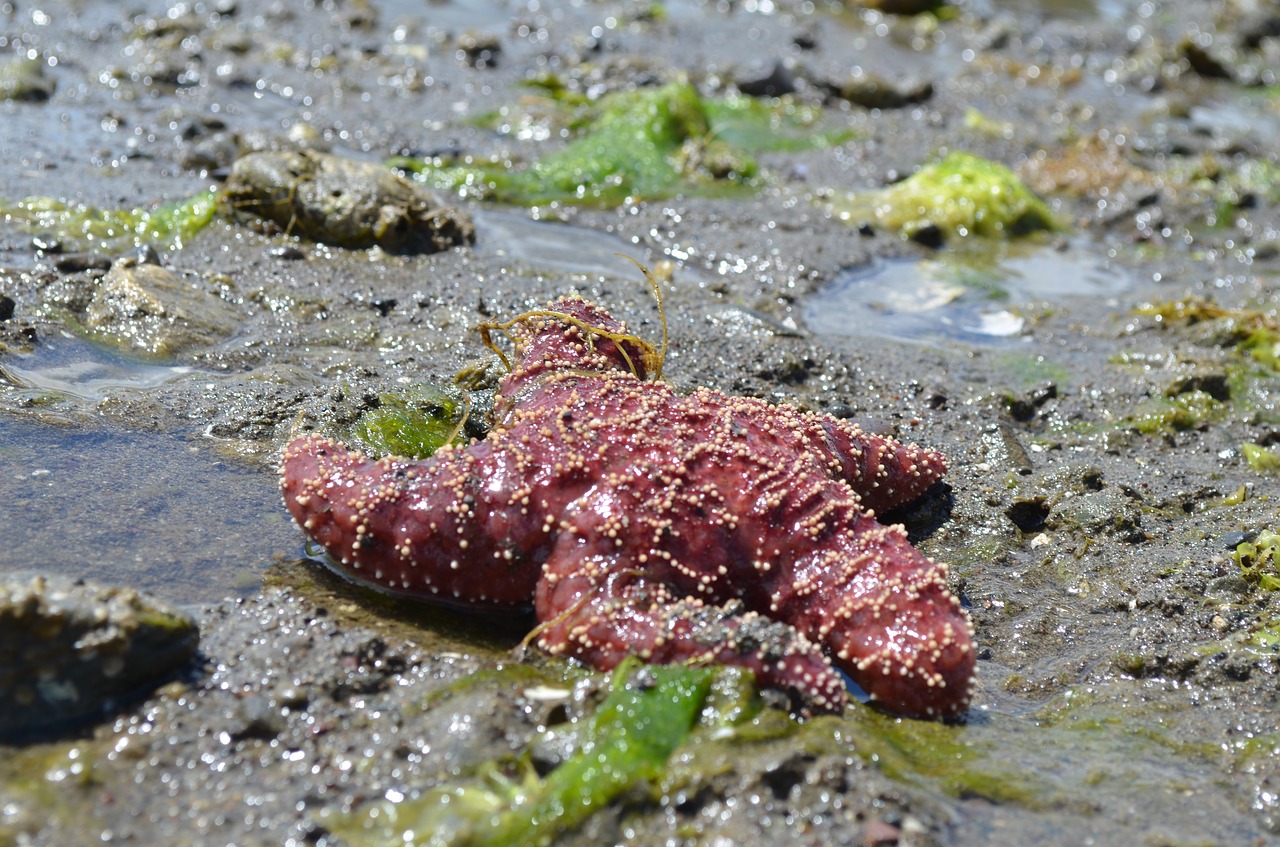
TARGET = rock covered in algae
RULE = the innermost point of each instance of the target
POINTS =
(647, 713)
(153, 311)
(961, 194)
(342, 202)
(70, 650)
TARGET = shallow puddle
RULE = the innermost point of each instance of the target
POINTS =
(548, 246)
(63, 366)
(963, 296)
(148, 511)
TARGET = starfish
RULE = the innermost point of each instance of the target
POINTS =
(698, 528)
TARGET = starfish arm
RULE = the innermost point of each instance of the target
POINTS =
(883, 612)
(885, 473)
(444, 529)
(797, 547)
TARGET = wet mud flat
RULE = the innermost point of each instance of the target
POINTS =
(1105, 390)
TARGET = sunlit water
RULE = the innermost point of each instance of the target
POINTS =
(146, 510)
(143, 510)
(985, 301)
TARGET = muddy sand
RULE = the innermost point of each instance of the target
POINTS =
(1105, 391)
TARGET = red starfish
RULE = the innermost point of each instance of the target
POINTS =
(696, 528)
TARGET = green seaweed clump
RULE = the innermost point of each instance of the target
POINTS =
(1260, 458)
(1250, 332)
(633, 145)
(415, 422)
(961, 194)
(1246, 381)
(1259, 560)
(1180, 413)
(1263, 345)
(82, 227)
(646, 715)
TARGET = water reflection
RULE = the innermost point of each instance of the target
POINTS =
(147, 511)
(979, 295)
(62, 364)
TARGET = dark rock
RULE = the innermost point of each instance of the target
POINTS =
(875, 92)
(72, 650)
(1029, 514)
(775, 83)
(929, 235)
(342, 202)
(479, 49)
(286, 253)
(73, 263)
(1214, 384)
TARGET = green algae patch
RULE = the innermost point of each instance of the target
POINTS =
(1024, 372)
(959, 195)
(977, 122)
(761, 126)
(1263, 640)
(647, 713)
(51, 785)
(1259, 560)
(635, 145)
(935, 756)
(940, 756)
(81, 227)
(1252, 333)
(1260, 458)
(1180, 413)
(1241, 383)
(1232, 185)
(416, 422)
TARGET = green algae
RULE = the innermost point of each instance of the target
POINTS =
(1260, 458)
(1180, 413)
(1263, 346)
(1231, 185)
(1259, 560)
(1025, 372)
(943, 757)
(415, 422)
(646, 714)
(936, 756)
(763, 126)
(667, 730)
(82, 227)
(983, 125)
(50, 784)
(1244, 384)
(633, 145)
(961, 194)
(1252, 333)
